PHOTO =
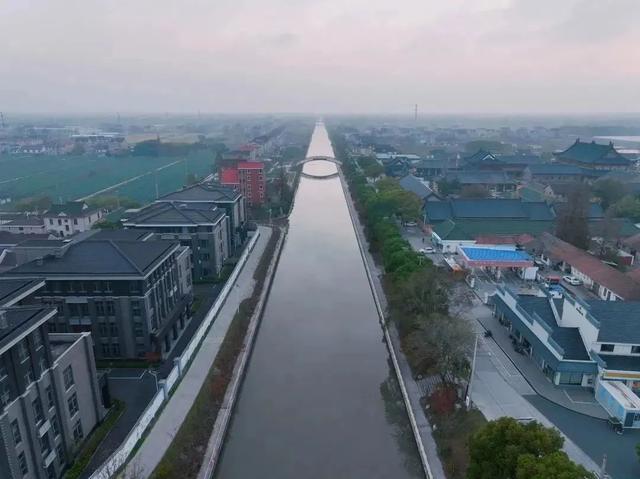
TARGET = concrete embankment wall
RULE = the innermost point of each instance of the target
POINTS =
(221, 426)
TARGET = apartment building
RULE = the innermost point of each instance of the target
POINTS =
(49, 395)
(203, 227)
(249, 178)
(229, 199)
(133, 296)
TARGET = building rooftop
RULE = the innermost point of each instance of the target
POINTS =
(591, 266)
(172, 214)
(229, 176)
(71, 208)
(101, 258)
(415, 185)
(12, 289)
(593, 154)
(120, 234)
(466, 177)
(15, 322)
(619, 320)
(495, 254)
(25, 220)
(12, 239)
(250, 165)
(488, 209)
(203, 193)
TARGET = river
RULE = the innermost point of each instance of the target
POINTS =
(319, 399)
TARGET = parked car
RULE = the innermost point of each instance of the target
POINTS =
(427, 250)
(411, 223)
(572, 280)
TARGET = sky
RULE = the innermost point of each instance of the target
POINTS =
(313, 56)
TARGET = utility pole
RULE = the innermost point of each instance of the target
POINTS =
(473, 368)
(156, 181)
(1, 120)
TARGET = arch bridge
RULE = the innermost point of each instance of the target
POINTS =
(316, 158)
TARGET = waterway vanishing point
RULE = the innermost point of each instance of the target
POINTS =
(320, 398)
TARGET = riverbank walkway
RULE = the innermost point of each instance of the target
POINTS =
(171, 417)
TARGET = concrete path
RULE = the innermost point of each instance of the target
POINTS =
(161, 434)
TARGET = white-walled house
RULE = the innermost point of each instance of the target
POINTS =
(71, 218)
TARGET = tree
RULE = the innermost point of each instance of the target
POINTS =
(442, 345)
(628, 207)
(556, 465)
(609, 191)
(37, 204)
(446, 187)
(496, 448)
(572, 221)
(474, 191)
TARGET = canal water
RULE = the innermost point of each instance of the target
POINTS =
(320, 399)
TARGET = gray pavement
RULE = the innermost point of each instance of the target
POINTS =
(171, 417)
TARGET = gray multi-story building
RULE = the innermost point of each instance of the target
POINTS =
(49, 395)
(229, 199)
(203, 227)
(133, 296)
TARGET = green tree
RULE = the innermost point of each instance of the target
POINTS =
(556, 465)
(448, 187)
(609, 191)
(496, 448)
(628, 207)
(572, 221)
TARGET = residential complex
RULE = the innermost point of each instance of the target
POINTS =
(133, 296)
(71, 218)
(249, 178)
(49, 395)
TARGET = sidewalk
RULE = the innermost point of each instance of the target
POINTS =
(167, 424)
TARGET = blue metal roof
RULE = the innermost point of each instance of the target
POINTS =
(492, 254)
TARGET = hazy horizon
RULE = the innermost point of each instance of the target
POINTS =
(486, 57)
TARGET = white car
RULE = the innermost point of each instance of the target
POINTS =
(409, 224)
(572, 280)
(427, 250)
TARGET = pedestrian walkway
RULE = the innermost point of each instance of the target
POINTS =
(170, 419)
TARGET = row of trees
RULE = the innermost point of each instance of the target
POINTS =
(433, 341)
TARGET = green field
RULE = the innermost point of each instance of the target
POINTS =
(65, 178)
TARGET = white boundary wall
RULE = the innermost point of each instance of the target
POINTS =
(119, 457)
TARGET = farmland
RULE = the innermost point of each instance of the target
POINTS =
(65, 178)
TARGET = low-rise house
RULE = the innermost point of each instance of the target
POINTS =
(577, 342)
(24, 224)
(229, 199)
(71, 218)
(419, 187)
(496, 182)
(133, 296)
(605, 281)
(50, 399)
(429, 169)
(593, 156)
(549, 173)
(204, 228)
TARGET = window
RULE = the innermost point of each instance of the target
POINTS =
(78, 434)
(135, 308)
(75, 221)
(22, 463)
(37, 339)
(72, 403)
(110, 308)
(635, 349)
(106, 350)
(134, 287)
(70, 288)
(60, 451)
(107, 287)
(606, 348)
(28, 377)
(23, 351)
(5, 394)
(59, 222)
(99, 308)
(50, 221)
(43, 365)
(37, 411)
(45, 445)
(55, 426)
(50, 400)
(3, 372)
(81, 287)
(102, 329)
(96, 287)
(84, 309)
(113, 330)
(67, 374)
(66, 227)
(15, 430)
(138, 331)
(115, 349)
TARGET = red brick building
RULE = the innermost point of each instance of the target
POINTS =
(248, 177)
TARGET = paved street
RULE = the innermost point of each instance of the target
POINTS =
(167, 424)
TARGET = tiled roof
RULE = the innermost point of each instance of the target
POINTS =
(554, 169)
(480, 177)
(593, 153)
(7, 238)
(71, 208)
(488, 209)
(174, 214)
(18, 321)
(621, 363)
(591, 266)
(229, 176)
(415, 185)
(12, 288)
(101, 257)
(250, 165)
(519, 159)
(480, 156)
(619, 320)
(203, 192)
